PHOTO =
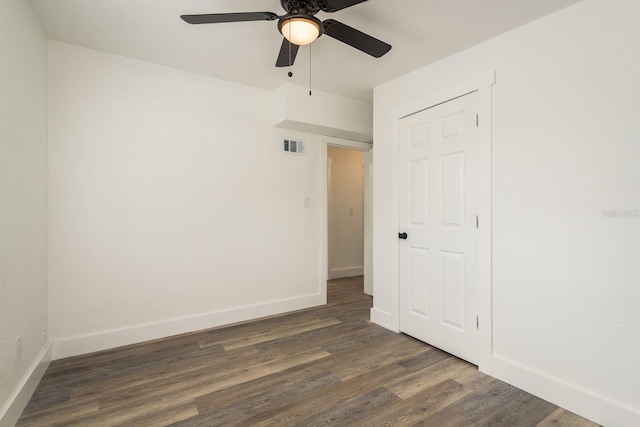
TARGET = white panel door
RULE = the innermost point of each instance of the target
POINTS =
(438, 208)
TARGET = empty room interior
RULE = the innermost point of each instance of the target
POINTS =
(320, 212)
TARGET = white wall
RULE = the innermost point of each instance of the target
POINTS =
(346, 212)
(322, 113)
(172, 205)
(565, 151)
(23, 205)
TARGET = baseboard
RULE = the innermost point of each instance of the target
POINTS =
(384, 319)
(11, 411)
(338, 273)
(78, 345)
(585, 403)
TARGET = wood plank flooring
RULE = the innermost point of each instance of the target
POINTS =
(327, 366)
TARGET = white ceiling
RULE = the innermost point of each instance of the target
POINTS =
(420, 31)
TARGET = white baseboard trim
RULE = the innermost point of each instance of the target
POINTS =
(84, 344)
(585, 403)
(12, 409)
(338, 273)
(384, 319)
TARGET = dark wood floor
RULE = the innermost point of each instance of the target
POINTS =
(322, 366)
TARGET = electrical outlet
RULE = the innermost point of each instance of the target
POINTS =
(17, 349)
(44, 336)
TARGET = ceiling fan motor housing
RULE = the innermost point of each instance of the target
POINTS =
(309, 7)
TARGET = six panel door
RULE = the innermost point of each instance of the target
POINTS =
(438, 208)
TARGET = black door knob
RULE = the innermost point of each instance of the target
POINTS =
(402, 236)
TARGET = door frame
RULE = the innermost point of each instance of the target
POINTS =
(483, 85)
(324, 206)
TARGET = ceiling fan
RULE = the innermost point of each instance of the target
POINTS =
(300, 27)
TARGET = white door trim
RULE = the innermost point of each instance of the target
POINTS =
(483, 85)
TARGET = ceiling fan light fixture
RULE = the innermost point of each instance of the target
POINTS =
(300, 30)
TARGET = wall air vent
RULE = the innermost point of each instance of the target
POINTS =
(292, 146)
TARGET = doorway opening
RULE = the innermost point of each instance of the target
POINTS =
(348, 213)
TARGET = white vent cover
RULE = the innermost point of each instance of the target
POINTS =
(292, 146)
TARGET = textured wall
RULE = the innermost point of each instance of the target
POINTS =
(23, 191)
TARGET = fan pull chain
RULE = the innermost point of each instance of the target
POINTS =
(310, 70)
(290, 74)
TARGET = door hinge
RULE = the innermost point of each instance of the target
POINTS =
(477, 322)
(477, 222)
(477, 120)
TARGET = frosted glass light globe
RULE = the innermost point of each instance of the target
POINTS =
(300, 31)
